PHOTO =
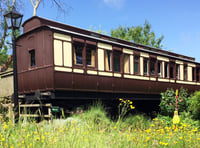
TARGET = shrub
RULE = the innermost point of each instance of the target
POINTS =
(168, 101)
(194, 105)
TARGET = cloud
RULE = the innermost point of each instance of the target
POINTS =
(114, 3)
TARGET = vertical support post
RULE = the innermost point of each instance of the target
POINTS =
(15, 79)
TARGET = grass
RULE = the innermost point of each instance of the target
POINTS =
(93, 128)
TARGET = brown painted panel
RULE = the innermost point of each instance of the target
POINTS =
(105, 83)
(63, 80)
(31, 24)
(39, 76)
(31, 81)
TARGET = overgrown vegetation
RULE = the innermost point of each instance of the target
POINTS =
(94, 128)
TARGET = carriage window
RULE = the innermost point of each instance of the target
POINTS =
(90, 56)
(136, 64)
(177, 71)
(78, 56)
(159, 68)
(108, 62)
(116, 61)
(146, 66)
(197, 75)
(171, 70)
(166, 70)
(193, 74)
(32, 58)
(126, 63)
(152, 66)
(185, 72)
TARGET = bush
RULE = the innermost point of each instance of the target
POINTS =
(168, 102)
(194, 105)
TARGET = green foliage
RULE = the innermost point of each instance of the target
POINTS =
(164, 120)
(168, 101)
(137, 121)
(194, 105)
(98, 30)
(95, 115)
(139, 34)
(186, 118)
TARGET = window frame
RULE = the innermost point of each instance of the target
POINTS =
(74, 52)
(146, 74)
(166, 74)
(185, 72)
(194, 74)
(94, 48)
(178, 72)
(111, 61)
(159, 74)
(155, 73)
(136, 62)
(120, 59)
(172, 67)
(31, 55)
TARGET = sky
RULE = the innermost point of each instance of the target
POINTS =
(177, 20)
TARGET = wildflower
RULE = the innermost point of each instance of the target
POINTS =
(81, 111)
(115, 127)
(180, 138)
(180, 100)
(148, 130)
(37, 138)
(163, 143)
(170, 104)
(72, 113)
(5, 126)
(77, 111)
(147, 139)
(132, 107)
(152, 125)
(120, 99)
(2, 139)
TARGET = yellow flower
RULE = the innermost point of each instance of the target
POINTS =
(180, 138)
(147, 139)
(2, 139)
(132, 107)
(152, 125)
(120, 99)
(5, 126)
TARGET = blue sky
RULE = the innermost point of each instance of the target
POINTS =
(177, 20)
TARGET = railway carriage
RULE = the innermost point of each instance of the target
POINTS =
(59, 61)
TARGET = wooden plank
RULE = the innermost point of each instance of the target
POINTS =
(35, 105)
(35, 115)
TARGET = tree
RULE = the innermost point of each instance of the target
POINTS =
(60, 4)
(139, 34)
(4, 6)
